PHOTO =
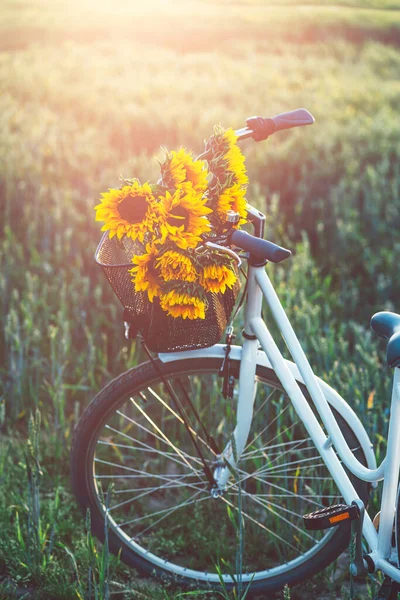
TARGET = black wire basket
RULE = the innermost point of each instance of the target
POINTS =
(161, 332)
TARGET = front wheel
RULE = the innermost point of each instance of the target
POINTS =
(134, 460)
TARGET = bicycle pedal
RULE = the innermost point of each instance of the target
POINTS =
(330, 516)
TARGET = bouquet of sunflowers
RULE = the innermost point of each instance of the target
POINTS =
(166, 225)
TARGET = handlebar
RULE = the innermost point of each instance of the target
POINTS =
(260, 128)
(259, 249)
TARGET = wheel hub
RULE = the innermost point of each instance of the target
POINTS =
(219, 465)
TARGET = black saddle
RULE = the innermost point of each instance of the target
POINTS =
(387, 325)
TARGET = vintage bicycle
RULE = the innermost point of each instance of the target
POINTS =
(171, 452)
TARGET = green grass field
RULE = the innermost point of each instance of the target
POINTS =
(90, 91)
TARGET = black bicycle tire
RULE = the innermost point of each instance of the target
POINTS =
(97, 413)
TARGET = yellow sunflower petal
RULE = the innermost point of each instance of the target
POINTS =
(235, 159)
(175, 266)
(144, 275)
(181, 168)
(185, 219)
(182, 305)
(233, 199)
(131, 211)
(216, 278)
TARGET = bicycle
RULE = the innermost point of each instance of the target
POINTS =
(177, 454)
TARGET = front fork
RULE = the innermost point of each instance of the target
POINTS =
(246, 393)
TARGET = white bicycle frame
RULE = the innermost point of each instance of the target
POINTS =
(331, 447)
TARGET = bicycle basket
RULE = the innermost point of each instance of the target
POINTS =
(161, 332)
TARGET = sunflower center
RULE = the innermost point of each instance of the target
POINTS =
(179, 216)
(133, 209)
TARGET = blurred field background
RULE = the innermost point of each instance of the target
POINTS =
(89, 91)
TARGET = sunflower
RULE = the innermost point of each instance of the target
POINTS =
(217, 277)
(176, 266)
(178, 303)
(144, 274)
(180, 167)
(234, 158)
(130, 211)
(232, 199)
(184, 219)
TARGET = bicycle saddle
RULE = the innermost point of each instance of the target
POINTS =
(387, 325)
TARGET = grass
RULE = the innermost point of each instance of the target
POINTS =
(206, 24)
(92, 91)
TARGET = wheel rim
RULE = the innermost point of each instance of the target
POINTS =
(159, 503)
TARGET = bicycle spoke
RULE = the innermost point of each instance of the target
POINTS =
(283, 468)
(180, 419)
(267, 427)
(142, 447)
(266, 449)
(162, 438)
(137, 472)
(141, 475)
(159, 431)
(171, 512)
(253, 520)
(264, 403)
(165, 511)
(278, 476)
(296, 461)
(292, 449)
(151, 433)
(292, 495)
(179, 482)
(284, 489)
(267, 506)
(147, 491)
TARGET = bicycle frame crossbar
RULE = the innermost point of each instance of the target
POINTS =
(332, 445)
